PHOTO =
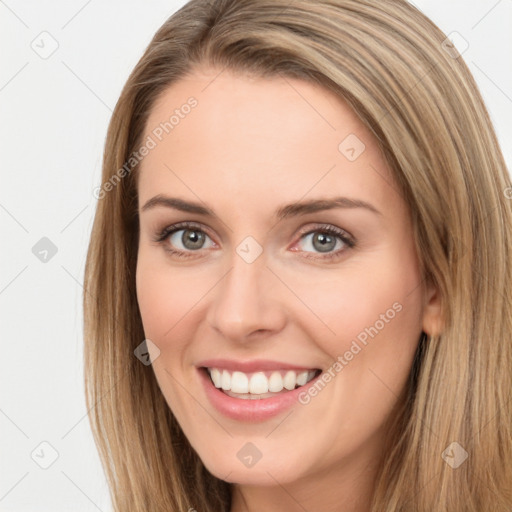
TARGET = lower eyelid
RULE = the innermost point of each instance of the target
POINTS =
(344, 238)
(335, 253)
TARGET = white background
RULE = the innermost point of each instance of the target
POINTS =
(54, 114)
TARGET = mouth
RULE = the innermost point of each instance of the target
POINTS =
(260, 384)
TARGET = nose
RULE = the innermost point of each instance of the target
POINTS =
(246, 303)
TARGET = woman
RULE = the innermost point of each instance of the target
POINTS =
(367, 367)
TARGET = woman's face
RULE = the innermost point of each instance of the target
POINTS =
(260, 292)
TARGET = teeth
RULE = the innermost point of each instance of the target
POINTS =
(216, 377)
(226, 381)
(290, 379)
(275, 383)
(239, 383)
(259, 383)
(302, 378)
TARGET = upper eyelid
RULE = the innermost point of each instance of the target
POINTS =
(303, 231)
(178, 226)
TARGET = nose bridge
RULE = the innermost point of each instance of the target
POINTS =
(243, 301)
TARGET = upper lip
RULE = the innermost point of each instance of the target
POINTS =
(251, 366)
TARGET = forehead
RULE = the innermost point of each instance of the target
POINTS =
(218, 131)
(254, 105)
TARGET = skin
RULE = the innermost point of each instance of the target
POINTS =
(250, 146)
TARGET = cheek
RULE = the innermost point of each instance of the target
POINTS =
(167, 299)
(168, 306)
(373, 314)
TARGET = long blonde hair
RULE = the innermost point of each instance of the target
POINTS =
(412, 90)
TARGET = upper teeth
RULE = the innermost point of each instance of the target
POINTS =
(259, 382)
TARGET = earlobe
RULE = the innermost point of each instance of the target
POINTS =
(432, 312)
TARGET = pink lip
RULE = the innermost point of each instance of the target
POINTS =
(250, 366)
(249, 410)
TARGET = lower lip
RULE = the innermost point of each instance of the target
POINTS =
(250, 410)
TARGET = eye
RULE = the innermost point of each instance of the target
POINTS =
(182, 239)
(325, 239)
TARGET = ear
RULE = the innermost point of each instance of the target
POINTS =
(432, 311)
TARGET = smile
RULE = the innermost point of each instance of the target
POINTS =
(255, 390)
(259, 384)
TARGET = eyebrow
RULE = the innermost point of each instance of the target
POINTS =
(283, 212)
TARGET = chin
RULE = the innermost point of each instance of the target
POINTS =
(237, 466)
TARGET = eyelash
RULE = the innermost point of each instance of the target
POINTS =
(349, 242)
